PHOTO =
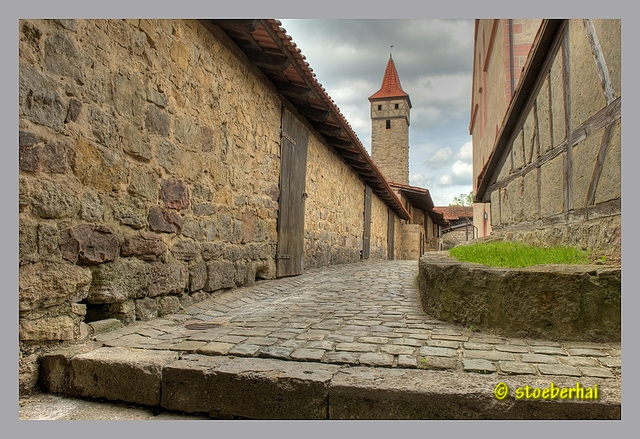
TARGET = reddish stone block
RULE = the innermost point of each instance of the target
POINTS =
(145, 245)
(161, 220)
(206, 135)
(175, 194)
(87, 244)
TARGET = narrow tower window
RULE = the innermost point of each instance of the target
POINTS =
(379, 107)
(397, 106)
(388, 124)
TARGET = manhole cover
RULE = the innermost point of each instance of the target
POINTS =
(201, 325)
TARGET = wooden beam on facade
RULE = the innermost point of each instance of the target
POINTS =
(542, 53)
(567, 162)
(599, 166)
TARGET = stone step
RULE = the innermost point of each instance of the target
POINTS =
(224, 387)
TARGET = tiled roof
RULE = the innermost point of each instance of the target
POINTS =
(266, 44)
(455, 212)
(420, 198)
(391, 87)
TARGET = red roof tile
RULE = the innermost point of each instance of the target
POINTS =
(272, 44)
(391, 87)
(455, 212)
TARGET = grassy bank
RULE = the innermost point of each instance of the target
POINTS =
(514, 254)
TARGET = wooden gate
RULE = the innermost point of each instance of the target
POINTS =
(366, 237)
(293, 172)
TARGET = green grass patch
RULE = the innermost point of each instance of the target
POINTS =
(515, 254)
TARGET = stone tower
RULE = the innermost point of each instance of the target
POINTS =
(390, 108)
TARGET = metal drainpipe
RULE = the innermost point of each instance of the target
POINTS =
(513, 80)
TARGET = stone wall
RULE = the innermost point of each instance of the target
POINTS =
(458, 236)
(398, 223)
(145, 184)
(569, 195)
(379, 219)
(149, 177)
(390, 146)
(551, 302)
(333, 209)
(431, 235)
(411, 235)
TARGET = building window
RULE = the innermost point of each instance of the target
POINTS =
(379, 107)
(397, 106)
(388, 124)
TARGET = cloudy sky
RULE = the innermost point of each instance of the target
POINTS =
(433, 58)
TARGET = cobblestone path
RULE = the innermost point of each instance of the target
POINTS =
(366, 313)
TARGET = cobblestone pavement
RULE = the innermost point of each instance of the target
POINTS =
(366, 313)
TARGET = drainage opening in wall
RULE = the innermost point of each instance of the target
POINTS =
(262, 272)
(145, 308)
(125, 312)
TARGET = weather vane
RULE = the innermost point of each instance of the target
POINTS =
(391, 47)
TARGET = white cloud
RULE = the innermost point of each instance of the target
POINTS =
(461, 169)
(440, 156)
(419, 180)
(445, 179)
(465, 152)
(356, 90)
(462, 172)
(433, 58)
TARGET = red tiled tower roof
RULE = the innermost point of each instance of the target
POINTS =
(391, 87)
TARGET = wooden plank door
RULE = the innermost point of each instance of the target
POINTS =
(366, 237)
(391, 230)
(293, 173)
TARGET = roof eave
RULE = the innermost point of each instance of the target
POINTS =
(267, 46)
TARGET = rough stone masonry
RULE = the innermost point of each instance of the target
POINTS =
(149, 177)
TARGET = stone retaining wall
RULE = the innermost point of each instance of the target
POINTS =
(567, 302)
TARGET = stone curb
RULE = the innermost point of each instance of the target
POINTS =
(226, 387)
(579, 303)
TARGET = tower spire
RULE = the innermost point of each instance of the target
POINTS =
(391, 87)
(390, 113)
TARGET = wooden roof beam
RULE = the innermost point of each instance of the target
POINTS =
(326, 129)
(239, 26)
(267, 61)
(293, 91)
(314, 114)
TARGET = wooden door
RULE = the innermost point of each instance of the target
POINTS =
(293, 173)
(391, 230)
(366, 237)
